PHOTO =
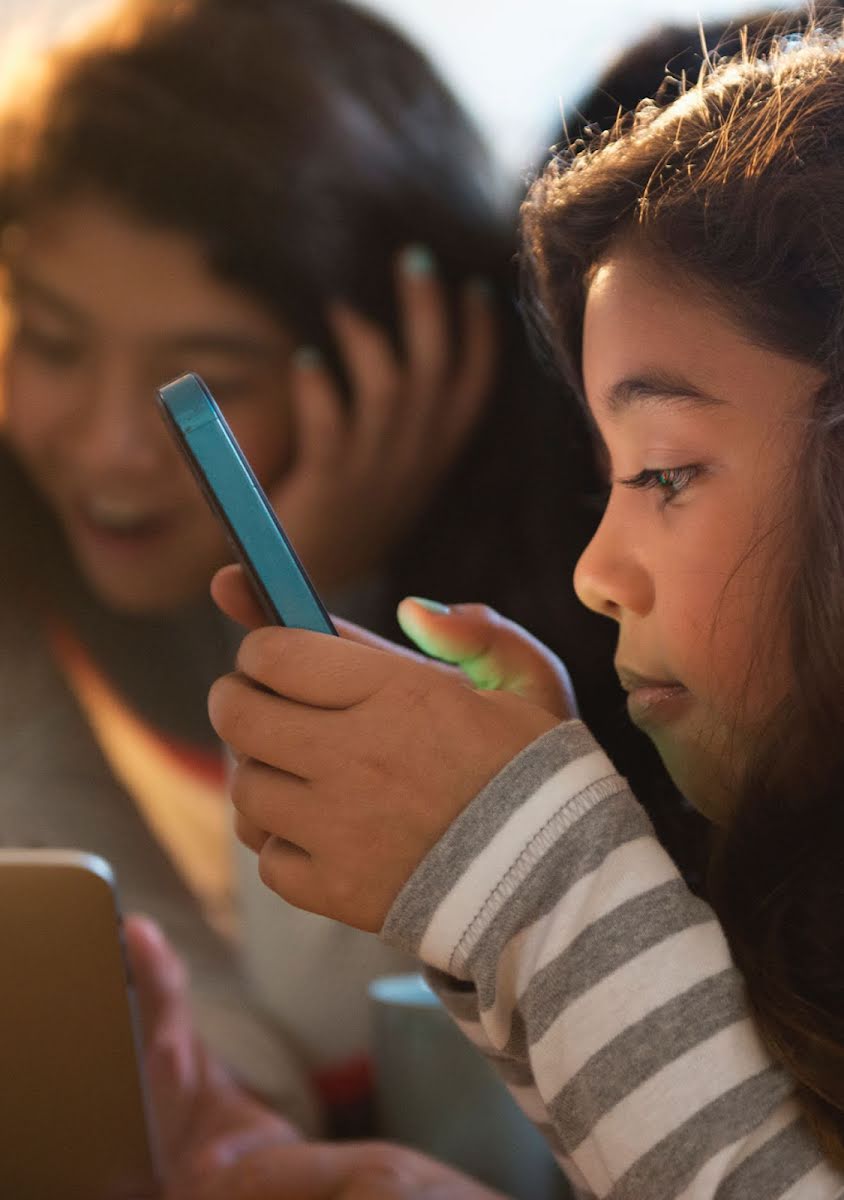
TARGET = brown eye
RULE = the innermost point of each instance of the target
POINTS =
(52, 350)
(670, 481)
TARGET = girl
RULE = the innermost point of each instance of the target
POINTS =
(212, 185)
(687, 270)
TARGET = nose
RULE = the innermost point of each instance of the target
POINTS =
(122, 430)
(611, 576)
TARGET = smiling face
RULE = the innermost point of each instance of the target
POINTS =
(701, 429)
(102, 311)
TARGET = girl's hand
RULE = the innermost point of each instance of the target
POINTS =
(488, 650)
(353, 763)
(361, 474)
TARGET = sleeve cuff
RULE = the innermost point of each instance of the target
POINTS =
(482, 858)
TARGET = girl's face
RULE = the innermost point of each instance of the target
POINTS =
(102, 311)
(702, 431)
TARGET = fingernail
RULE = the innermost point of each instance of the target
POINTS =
(417, 260)
(482, 288)
(433, 606)
(307, 357)
(151, 929)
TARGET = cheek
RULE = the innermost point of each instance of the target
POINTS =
(264, 432)
(33, 412)
(724, 617)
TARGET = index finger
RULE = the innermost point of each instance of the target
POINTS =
(316, 669)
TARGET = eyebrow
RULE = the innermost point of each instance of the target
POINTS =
(199, 341)
(26, 288)
(659, 388)
(230, 344)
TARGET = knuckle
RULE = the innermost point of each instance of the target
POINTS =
(250, 835)
(239, 789)
(416, 692)
(221, 704)
(386, 1163)
(480, 612)
(256, 652)
(174, 976)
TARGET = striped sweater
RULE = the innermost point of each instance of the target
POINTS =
(563, 941)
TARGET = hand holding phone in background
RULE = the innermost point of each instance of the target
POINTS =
(218, 1143)
(204, 1119)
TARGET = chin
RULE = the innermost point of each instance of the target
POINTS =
(143, 601)
(698, 774)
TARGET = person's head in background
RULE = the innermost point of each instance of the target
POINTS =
(191, 187)
(688, 269)
(669, 57)
(654, 70)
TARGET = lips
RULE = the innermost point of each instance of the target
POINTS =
(652, 700)
(119, 514)
(108, 524)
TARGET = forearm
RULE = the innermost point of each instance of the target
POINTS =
(564, 942)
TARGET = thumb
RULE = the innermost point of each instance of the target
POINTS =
(233, 595)
(171, 1060)
(495, 654)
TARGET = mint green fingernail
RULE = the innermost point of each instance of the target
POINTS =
(307, 357)
(433, 606)
(418, 260)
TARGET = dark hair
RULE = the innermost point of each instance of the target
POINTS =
(669, 59)
(302, 144)
(739, 184)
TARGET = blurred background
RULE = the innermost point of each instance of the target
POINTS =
(516, 64)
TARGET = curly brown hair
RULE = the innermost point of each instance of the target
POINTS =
(739, 184)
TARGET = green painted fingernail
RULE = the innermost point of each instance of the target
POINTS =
(433, 606)
(307, 357)
(418, 260)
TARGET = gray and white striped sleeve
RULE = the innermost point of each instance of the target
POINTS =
(567, 947)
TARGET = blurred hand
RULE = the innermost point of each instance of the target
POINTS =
(361, 474)
(336, 1171)
(219, 1144)
(203, 1119)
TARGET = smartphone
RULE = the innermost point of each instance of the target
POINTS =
(286, 594)
(74, 1119)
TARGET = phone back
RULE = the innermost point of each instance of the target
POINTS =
(72, 1114)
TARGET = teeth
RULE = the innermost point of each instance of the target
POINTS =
(117, 514)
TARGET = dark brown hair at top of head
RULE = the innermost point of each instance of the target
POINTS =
(671, 57)
(301, 143)
(740, 184)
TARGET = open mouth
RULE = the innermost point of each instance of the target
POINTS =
(116, 524)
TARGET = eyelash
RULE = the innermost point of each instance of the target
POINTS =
(56, 351)
(670, 481)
